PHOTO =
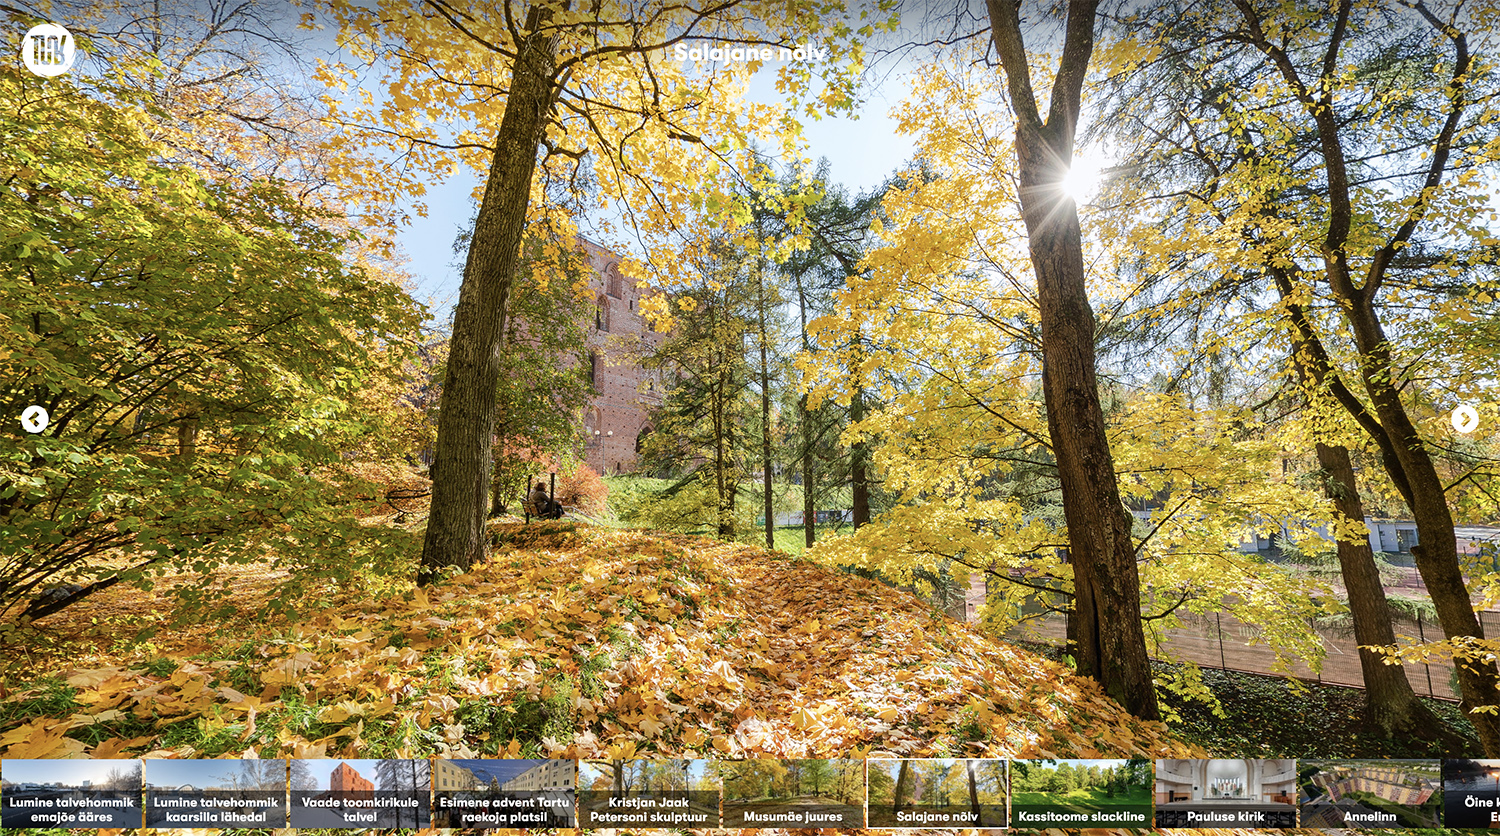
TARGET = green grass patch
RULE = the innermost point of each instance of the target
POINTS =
(523, 719)
(628, 495)
(210, 739)
(1084, 799)
(1267, 716)
(53, 698)
(1406, 816)
(792, 539)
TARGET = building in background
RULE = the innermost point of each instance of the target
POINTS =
(617, 420)
(548, 776)
(1269, 781)
(447, 775)
(346, 783)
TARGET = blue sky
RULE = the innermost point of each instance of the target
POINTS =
(1091, 762)
(861, 154)
(322, 769)
(589, 772)
(500, 770)
(67, 772)
(199, 773)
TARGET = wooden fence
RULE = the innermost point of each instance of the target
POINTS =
(1220, 640)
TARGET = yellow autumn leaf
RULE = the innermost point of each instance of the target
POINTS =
(90, 678)
(116, 746)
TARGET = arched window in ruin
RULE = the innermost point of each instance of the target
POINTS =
(640, 439)
(593, 369)
(601, 314)
(615, 283)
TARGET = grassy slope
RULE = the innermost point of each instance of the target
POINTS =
(785, 496)
(627, 489)
(585, 643)
(1268, 716)
(1272, 717)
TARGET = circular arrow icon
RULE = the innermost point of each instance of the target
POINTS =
(1465, 419)
(34, 419)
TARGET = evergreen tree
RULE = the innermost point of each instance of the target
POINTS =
(703, 418)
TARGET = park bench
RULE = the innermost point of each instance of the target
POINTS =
(555, 512)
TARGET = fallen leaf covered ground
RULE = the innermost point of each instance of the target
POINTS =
(583, 643)
(591, 642)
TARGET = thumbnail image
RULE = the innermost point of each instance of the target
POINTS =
(216, 793)
(1226, 792)
(936, 792)
(1471, 793)
(648, 793)
(503, 793)
(71, 793)
(1081, 793)
(360, 794)
(1370, 793)
(815, 792)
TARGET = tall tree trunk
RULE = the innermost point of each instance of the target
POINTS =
(859, 461)
(1392, 704)
(412, 767)
(720, 484)
(974, 794)
(1437, 554)
(1111, 642)
(187, 438)
(731, 502)
(497, 484)
(809, 511)
(765, 403)
(903, 785)
(466, 410)
(1403, 452)
(765, 447)
(497, 496)
(725, 481)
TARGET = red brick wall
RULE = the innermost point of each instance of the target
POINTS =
(345, 782)
(619, 411)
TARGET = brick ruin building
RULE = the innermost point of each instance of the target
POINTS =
(346, 782)
(616, 421)
(616, 418)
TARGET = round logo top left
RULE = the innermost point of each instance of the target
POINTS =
(48, 50)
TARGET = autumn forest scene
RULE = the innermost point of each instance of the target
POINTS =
(819, 381)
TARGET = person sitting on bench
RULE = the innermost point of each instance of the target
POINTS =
(542, 506)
